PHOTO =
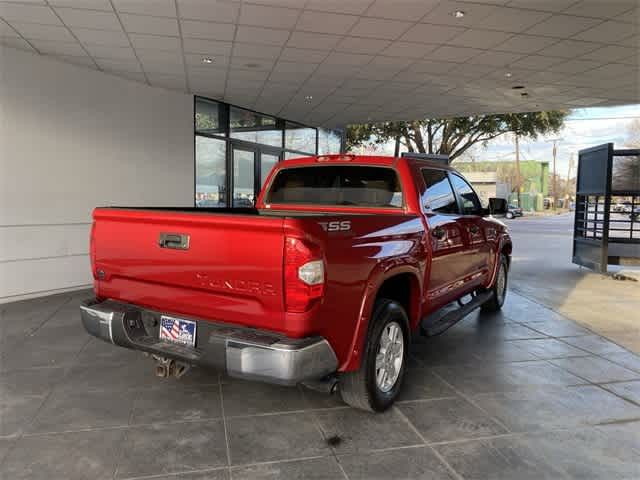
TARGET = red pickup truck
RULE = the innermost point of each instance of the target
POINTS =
(323, 283)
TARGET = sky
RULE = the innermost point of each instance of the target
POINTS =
(583, 128)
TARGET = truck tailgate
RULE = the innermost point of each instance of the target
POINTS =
(216, 266)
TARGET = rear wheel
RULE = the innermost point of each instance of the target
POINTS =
(499, 288)
(509, 215)
(376, 384)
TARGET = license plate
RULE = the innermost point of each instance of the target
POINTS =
(177, 330)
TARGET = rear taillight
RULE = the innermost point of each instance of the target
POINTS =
(92, 249)
(304, 275)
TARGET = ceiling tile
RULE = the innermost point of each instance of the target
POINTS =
(89, 19)
(6, 30)
(600, 8)
(158, 8)
(562, 26)
(354, 7)
(265, 16)
(428, 33)
(157, 42)
(169, 68)
(268, 36)
(15, 12)
(207, 47)
(58, 48)
(390, 63)
(379, 28)
(217, 11)
(574, 66)
(101, 37)
(16, 42)
(453, 54)
(425, 66)
(302, 55)
(608, 32)
(207, 30)
(252, 64)
(470, 71)
(569, 49)
(282, 66)
(158, 56)
(150, 25)
(409, 50)
(537, 62)
(256, 50)
(322, 22)
(316, 41)
(611, 53)
(171, 82)
(338, 58)
(85, 61)
(100, 51)
(497, 59)
(474, 14)
(44, 32)
(362, 45)
(479, 39)
(525, 43)
(513, 19)
(104, 5)
(411, 10)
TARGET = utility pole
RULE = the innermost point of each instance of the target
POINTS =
(555, 173)
(569, 173)
(517, 140)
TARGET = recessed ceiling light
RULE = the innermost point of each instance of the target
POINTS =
(308, 98)
(458, 13)
(207, 60)
(252, 65)
(524, 94)
(517, 87)
(508, 74)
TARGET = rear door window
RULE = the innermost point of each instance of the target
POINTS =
(348, 185)
(439, 196)
(470, 201)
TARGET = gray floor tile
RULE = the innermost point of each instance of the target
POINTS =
(17, 412)
(627, 360)
(420, 384)
(176, 404)
(315, 399)
(443, 350)
(628, 390)
(419, 463)
(274, 437)
(97, 353)
(179, 447)
(501, 377)
(66, 411)
(357, 431)
(559, 407)
(215, 474)
(497, 459)
(558, 328)
(595, 344)
(6, 444)
(325, 468)
(449, 419)
(596, 369)
(68, 456)
(113, 378)
(250, 398)
(549, 348)
(607, 452)
(509, 351)
(32, 381)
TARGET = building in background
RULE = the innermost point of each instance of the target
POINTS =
(487, 185)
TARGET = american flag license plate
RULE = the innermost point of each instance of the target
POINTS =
(177, 330)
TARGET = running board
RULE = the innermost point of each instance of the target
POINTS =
(445, 318)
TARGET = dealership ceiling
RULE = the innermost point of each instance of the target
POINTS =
(333, 62)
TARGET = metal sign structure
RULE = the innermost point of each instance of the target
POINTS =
(607, 216)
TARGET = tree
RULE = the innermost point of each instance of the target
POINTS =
(455, 136)
(633, 132)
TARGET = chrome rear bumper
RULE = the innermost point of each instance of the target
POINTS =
(241, 352)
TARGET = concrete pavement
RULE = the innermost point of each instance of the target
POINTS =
(542, 271)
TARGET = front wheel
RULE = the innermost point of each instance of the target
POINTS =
(499, 288)
(376, 384)
(509, 215)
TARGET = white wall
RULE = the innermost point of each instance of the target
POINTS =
(72, 139)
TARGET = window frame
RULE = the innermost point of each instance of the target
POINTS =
(423, 205)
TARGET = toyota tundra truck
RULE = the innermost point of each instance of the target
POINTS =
(343, 259)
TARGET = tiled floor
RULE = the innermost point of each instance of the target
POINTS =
(525, 394)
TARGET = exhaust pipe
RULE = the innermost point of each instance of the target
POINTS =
(167, 367)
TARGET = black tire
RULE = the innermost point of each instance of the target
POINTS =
(498, 297)
(359, 389)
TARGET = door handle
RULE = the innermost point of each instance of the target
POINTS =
(439, 233)
(474, 229)
(176, 241)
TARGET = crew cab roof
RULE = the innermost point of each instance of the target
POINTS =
(349, 159)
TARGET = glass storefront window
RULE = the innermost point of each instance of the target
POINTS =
(210, 172)
(243, 175)
(299, 137)
(267, 162)
(329, 141)
(209, 117)
(253, 127)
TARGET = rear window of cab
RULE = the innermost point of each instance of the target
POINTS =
(336, 185)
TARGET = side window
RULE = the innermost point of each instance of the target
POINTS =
(470, 201)
(439, 196)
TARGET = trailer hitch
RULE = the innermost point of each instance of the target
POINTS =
(168, 367)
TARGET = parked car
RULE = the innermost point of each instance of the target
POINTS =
(323, 284)
(514, 211)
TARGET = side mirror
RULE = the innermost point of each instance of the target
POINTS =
(497, 207)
